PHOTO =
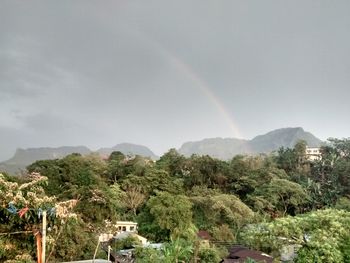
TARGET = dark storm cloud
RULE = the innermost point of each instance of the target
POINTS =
(164, 72)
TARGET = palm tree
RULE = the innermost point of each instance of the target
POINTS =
(178, 250)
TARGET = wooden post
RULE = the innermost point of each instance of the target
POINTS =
(43, 238)
(37, 236)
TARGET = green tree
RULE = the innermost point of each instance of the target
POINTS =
(116, 156)
(205, 170)
(148, 255)
(153, 180)
(211, 211)
(209, 255)
(300, 151)
(171, 212)
(115, 167)
(246, 174)
(177, 250)
(173, 162)
(287, 159)
(283, 195)
(72, 172)
(322, 235)
(331, 171)
(133, 198)
(20, 208)
(80, 177)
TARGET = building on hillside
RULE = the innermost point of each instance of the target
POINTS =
(240, 254)
(126, 226)
(117, 228)
(313, 153)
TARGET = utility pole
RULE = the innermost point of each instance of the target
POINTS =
(43, 238)
(98, 244)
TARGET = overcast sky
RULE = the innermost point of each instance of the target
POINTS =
(160, 72)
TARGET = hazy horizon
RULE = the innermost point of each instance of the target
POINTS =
(156, 153)
(159, 74)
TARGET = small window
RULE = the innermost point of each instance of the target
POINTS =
(124, 228)
(132, 228)
(119, 228)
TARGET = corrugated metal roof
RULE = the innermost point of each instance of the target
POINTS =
(239, 254)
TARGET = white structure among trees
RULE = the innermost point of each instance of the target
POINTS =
(313, 153)
(126, 226)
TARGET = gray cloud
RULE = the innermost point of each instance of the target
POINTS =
(97, 74)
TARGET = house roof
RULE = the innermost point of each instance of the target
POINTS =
(239, 254)
(126, 223)
(154, 245)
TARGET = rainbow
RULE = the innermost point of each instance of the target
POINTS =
(200, 84)
(185, 69)
(205, 89)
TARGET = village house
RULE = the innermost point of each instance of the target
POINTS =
(118, 228)
(313, 153)
(123, 226)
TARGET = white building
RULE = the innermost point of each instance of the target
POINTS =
(118, 228)
(313, 153)
(126, 226)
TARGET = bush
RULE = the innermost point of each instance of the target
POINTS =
(209, 255)
(126, 243)
(148, 255)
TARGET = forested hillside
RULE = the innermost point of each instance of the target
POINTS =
(23, 157)
(227, 148)
(265, 202)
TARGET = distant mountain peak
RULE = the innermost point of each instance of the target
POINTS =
(266, 143)
(129, 149)
(23, 157)
(27, 156)
(287, 130)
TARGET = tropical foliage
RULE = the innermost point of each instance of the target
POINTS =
(265, 202)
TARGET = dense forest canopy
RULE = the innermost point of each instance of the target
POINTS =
(263, 201)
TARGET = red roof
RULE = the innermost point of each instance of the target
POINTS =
(239, 254)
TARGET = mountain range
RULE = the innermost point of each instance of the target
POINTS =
(24, 157)
(222, 148)
(226, 148)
